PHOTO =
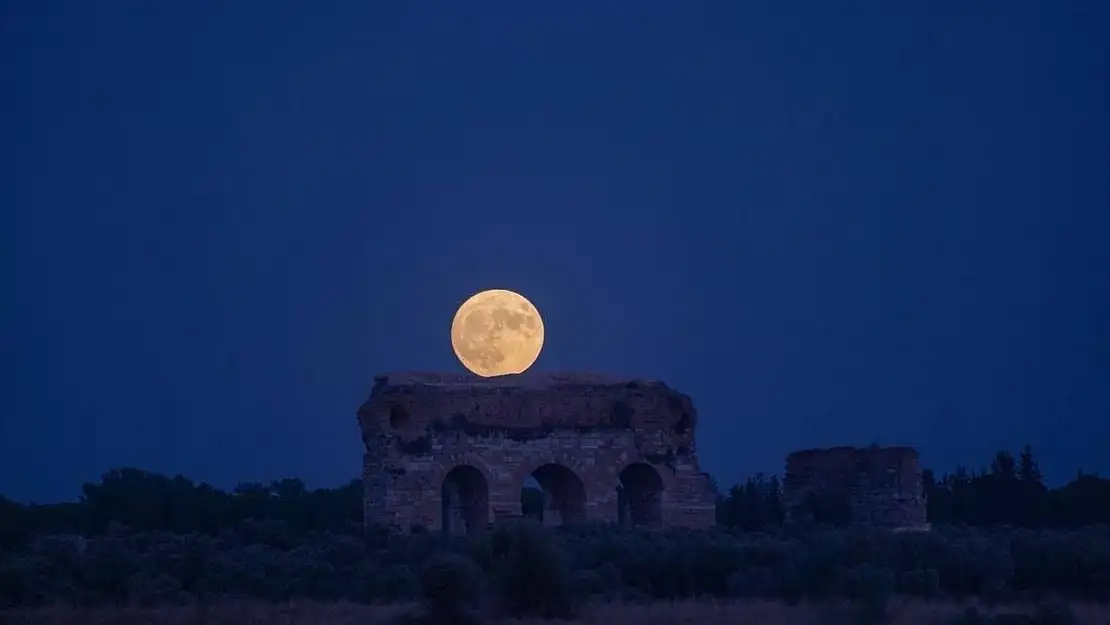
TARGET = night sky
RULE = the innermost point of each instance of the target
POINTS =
(827, 222)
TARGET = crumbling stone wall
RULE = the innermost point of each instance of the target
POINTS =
(449, 451)
(869, 487)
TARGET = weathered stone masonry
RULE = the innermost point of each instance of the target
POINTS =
(448, 451)
(871, 487)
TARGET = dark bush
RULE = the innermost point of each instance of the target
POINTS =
(532, 576)
(920, 583)
(451, 583)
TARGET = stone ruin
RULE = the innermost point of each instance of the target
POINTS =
(877, 487)
(454, 452)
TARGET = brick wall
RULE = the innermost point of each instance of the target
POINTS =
(875, 487)
(419, 428)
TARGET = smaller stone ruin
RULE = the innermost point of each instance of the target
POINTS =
(875, 487)
(455, 452)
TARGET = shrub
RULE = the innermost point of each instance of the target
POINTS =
(532, 578)
(451, 584)
(920, 583)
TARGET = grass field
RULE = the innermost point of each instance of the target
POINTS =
(685, 613)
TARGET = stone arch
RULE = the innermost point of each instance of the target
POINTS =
(464, 500)
(564, 494)
(559, 476)
(448, 462)
(640, 496)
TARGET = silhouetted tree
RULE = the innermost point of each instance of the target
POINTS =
(1028, 469)
(1013, 492)
(755, 506)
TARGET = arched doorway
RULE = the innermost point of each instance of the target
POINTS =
(465, 500)
(640, 496)
(554, 494)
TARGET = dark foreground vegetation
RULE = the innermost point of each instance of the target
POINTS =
(265, 560)
(140, 538)
(528, 565)
(698, 612)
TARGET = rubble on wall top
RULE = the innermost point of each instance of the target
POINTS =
(534, 404)
(845, 450)
(527, 380)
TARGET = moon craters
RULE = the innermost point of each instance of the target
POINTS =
(497, 332)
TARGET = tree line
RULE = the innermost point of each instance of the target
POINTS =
(1011, 491)
(145, 501)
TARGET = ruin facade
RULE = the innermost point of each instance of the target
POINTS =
(454, 452)
(876, 487)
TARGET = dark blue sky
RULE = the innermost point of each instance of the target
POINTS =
(828, 222)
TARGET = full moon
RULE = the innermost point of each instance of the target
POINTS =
(497, 332)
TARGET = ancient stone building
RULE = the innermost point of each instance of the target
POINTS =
(450, 451)
(869, 487)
